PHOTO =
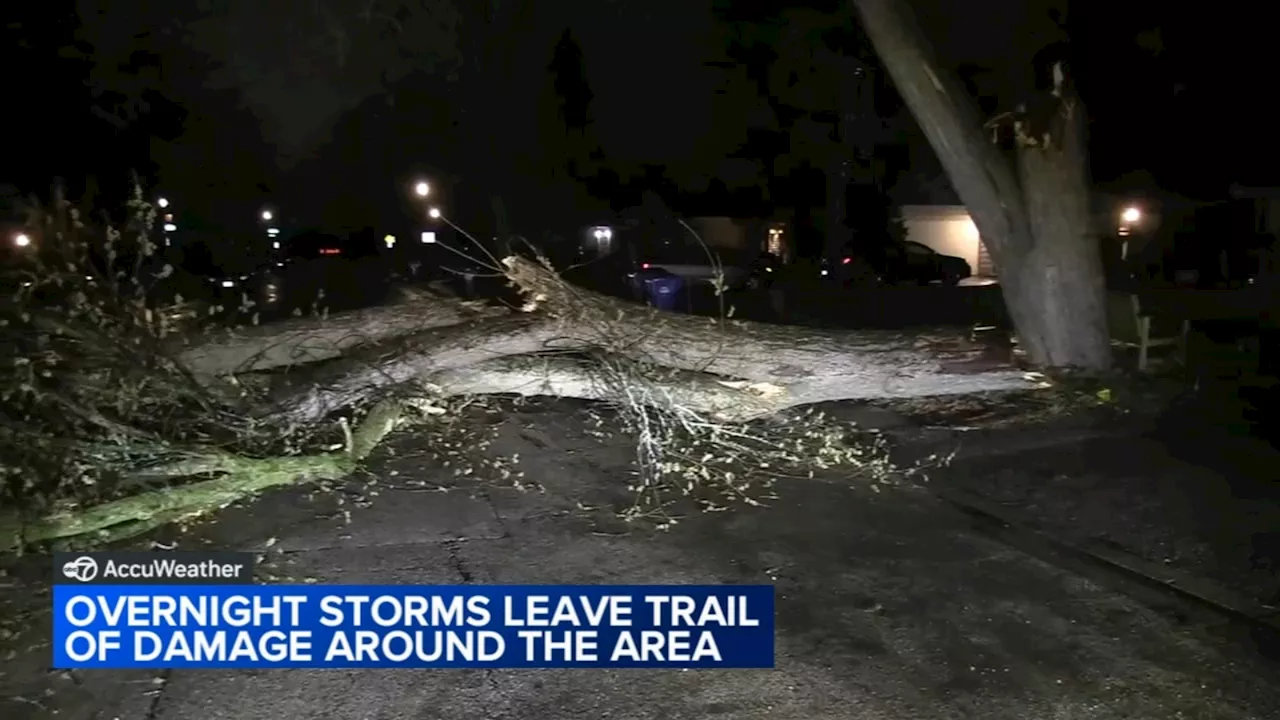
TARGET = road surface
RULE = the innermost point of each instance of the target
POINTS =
(890, 605)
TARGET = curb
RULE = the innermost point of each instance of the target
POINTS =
(1155, 585)
(1167, 590)
(914, 444)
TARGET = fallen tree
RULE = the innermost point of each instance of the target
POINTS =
(137, 429)
(737, 370)
(314, 339)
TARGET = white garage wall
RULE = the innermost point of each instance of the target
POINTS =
(945, 228)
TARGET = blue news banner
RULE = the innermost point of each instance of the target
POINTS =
(355, 626)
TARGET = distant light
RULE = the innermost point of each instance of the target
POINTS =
(228, 283)
(422, 189)
(275, 246)
(1131, 215)
(434, 213)
(267, 215)
(22, 240)
(602, 233)
(824, 273)
(170, 227)
(846, 261)
(645, 266)
(168, 217)
(428, 238)
(330, 251)
(272, 232)
(163, 202)
(390, 240)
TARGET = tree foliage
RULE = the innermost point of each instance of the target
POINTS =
(785, 79)
(301, 65)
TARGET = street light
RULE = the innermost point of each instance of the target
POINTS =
(422, 189)
(1131, 215)
(267, 215)
(434, 213)
(163, 202)
(22, 240)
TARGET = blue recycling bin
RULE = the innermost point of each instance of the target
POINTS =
(663, 291)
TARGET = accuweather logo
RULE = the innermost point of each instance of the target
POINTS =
(141, 568)
(83, 568)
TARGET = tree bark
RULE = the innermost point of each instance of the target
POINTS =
(571, 377)
(312, 339)
(360, 374)
(1033, 218)
(767, 367)
(1059, 281)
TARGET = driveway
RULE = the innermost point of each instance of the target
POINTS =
(890, 605)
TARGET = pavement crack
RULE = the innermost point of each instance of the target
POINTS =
(459, 566)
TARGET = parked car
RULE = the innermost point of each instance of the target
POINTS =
(851, 271)
(906, 262)
(696, 264)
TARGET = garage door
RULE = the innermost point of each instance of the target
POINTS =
(986, 268)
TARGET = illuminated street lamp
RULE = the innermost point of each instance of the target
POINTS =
(422, 189)
(163, 202)
(22, 240)
(267, 215)
(434, 213)
(1131, 215)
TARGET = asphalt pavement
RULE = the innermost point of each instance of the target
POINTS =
(890, 605)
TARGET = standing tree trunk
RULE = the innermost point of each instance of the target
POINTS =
(1033, 213)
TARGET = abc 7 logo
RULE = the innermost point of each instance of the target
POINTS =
(83, 568)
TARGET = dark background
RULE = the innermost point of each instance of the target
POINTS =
(328, 110)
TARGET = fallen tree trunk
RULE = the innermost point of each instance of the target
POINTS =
(314, 339)
(358, 376)
(820, 364)
(584, 379)
(708, 395)
(766, 367)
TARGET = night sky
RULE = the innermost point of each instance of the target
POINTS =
(262, 103)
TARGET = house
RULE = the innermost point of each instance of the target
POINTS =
(933, 216)
(747, 236)
(1127, 215)
(948, 230)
